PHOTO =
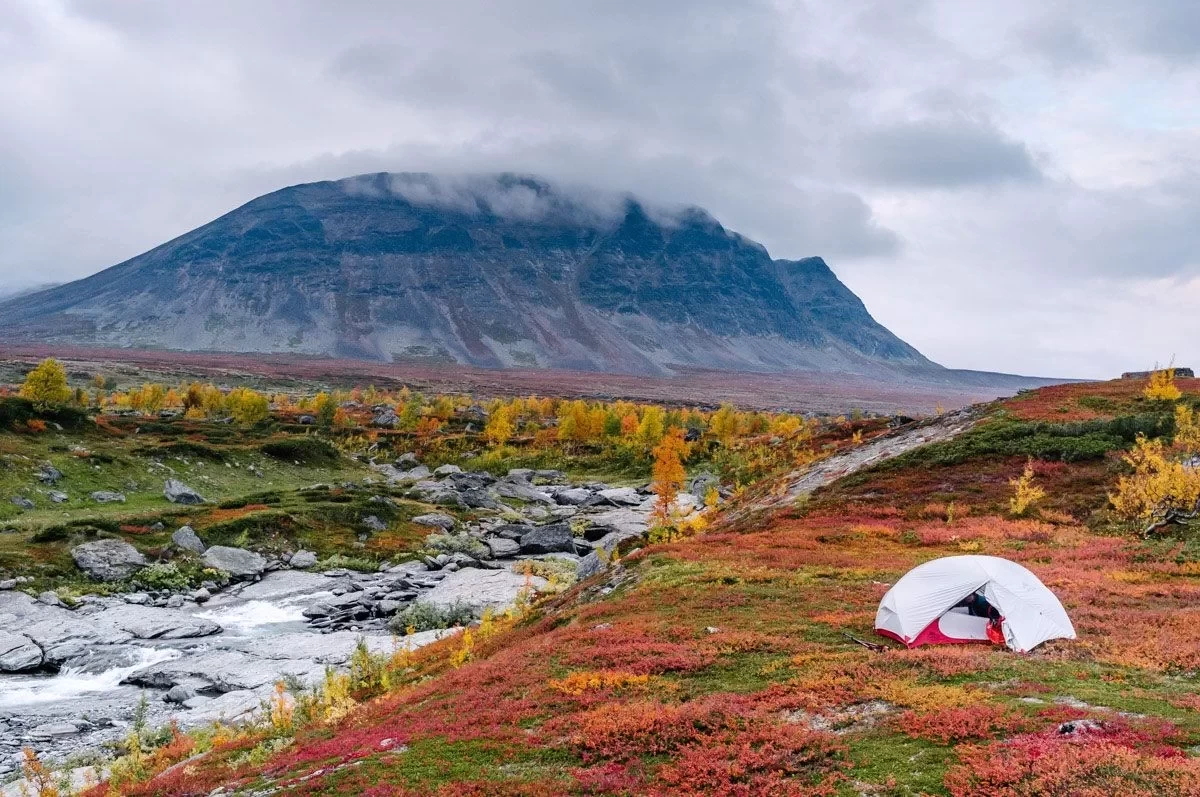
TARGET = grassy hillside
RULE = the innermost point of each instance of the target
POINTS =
(719, 663)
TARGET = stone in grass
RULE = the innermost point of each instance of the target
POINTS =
(108, 560)
(179, 493)
(436, 520)
(187, 539)
(108, 497)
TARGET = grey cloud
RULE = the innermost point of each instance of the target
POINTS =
(923, 147)
(940, 154)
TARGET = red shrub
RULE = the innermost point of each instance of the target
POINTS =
(960, 724)
(641, 727)
(772, 760)
(1110, 761)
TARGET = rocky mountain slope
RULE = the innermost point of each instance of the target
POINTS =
(495, 271)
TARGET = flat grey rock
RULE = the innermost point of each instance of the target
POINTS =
(435, 520)
(18, 653)
(237, 562)
(480, 589)
(150, 622)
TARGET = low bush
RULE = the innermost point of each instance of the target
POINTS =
(309, 451)
(1067, 442)
(456, 543)
(422, 616)
(173, 576)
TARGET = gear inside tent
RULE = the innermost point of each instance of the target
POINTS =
(959, 599)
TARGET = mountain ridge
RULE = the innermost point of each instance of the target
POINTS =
(496, 271)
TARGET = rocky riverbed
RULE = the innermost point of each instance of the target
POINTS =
(71, 678)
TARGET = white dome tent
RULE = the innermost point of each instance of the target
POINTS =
(926, 606)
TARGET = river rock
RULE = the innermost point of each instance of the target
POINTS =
(18, 653)
(575, 496)
(186, 538)
(622, 496)
(701, 484)
(149, 622)
(502, 548)
(588, 566)
(522, 492)
(177, 492)
(302, 560)
(480, 589)
(237, 562)
(554, 538)
(108, 560)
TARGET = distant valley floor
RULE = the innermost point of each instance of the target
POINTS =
(902, 392)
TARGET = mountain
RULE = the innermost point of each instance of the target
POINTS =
(494, 271)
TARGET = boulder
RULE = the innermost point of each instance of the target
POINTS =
(550, 476)
(502, 548)
(187, 539)
(22, 503)
(108, 497)
(305, 420)
(387, 419)
(520, 475)
(373, 523)
(18, 653)
(108, 560)
(512, 531)
(576, 496)
(303, 559)
(522, 492)
(478, 499)
(622, 496)
(49, 474)
(237, 562)
(554, 538)
(58, 497)
(437, 520)
(701, 483)
(414, 474)
(179, 493)
(446, 470)
(589, 566)
(480, 589)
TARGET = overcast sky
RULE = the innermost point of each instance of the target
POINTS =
(1008, 186)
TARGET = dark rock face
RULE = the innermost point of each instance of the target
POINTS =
(493, 271)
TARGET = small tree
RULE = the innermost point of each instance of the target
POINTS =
(1025, 492)
(650, 430)
(47, 384)
(499, 427)
(1160, 491)
(1161, 386)
(668, 472)
(247, 406)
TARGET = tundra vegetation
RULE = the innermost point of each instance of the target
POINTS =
(716, 660)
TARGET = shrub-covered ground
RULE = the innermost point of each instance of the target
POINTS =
(720, 664)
